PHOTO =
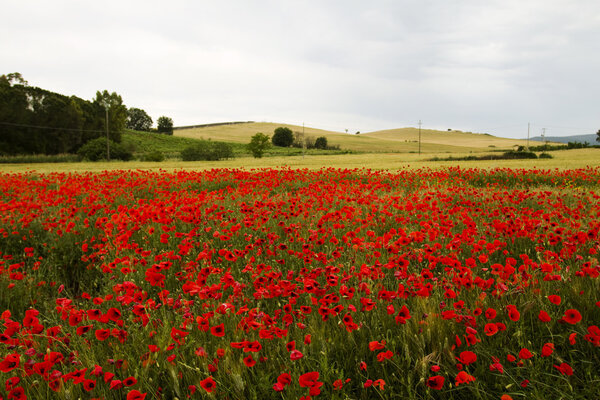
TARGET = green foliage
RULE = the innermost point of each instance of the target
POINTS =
(545, 155)
(117, 113)
(37, 121)
(165, 125)
(598, 136)
(95, 150)
(207, 151)
(155, 156)
(321, 143)
(283, 137)
(138, 120)
(511, 155)
(259, 144)
(39, 158)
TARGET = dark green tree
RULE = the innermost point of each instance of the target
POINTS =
(117, 112)
(138, 120)
(598, 136)
(321, 143)
(164, 125)
(259, 144)
(95, 150)
(283, 137)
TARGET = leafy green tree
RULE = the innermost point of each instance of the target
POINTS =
(321, 143)
(164, 125)
(138, 120)
(598, 136)
(117, 112)
(259, 144)
(283, 137)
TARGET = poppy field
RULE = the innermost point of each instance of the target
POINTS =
(454, 283)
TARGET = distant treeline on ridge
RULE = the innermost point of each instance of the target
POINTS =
(37, 121)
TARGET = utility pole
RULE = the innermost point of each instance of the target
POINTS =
(528, 136)
(544, 138)
(419, 137)
(303, 142)
(107, 137)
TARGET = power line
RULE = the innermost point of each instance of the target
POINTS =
(53, 127)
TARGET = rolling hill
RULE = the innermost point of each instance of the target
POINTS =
(403, 140)
(591, 139)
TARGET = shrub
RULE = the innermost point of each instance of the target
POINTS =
(155, 156)
(259, 144)
(321, 143)
(95, 150)
(283, 137)
(207, 151)
(519, 155)
(545, 155)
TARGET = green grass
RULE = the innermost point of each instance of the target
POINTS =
(141, 143)
(146, 142)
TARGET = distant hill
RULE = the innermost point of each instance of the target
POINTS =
(591, 139)
(403, 140)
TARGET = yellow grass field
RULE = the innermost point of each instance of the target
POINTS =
(402, 140)
(567, 159)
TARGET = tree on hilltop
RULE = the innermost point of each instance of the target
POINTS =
(138, 120)
(164, 125)
(117, 112)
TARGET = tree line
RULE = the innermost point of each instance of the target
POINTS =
(37, 121)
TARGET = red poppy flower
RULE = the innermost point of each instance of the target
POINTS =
(285, 379)
(467, 357)
(403, 315)
(178, 335)
(249, 361)
(129, 381)
(89, 384)
(436, 382)
(218, 330)
(554, 299)
(572, 316)
(136, 395)
(544, 316)
(547, 349)
(375, 345)
(11, 383)
(525, 354)
(490, 329)
(116, 384)
(81, 330)
(338, 384)
(463, 377)
(17, 393)
(296, 355)
(278, 387)
(102, 334)
(513, 313)
(10, 362)
(113, 314)
(490, 313)
(564, 369)
(308, 379)
(208, 384)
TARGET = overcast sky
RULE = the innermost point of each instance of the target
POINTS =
(482, 66)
